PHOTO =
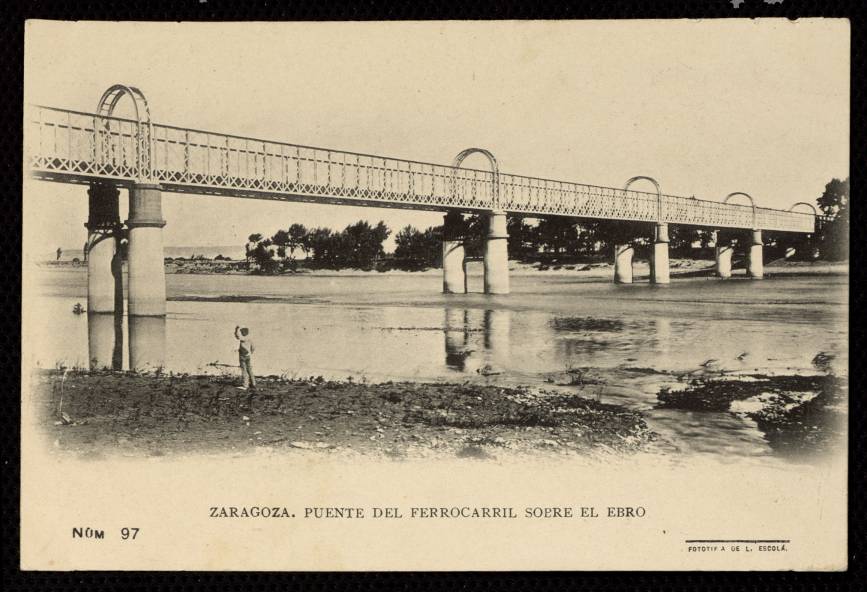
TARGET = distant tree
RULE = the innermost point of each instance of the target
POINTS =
(833, 235)
(415, 249)
(252, 241)
(321, 242)
(558, 235)
(834, 201)
(360, 244)
(612, 232)
(281, 241)
(521, 238)
(408, 243)
(475, 232)
(587, 241)
(298, 239)
(682, 238)
(263, 256)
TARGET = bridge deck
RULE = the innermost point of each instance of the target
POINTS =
(75, 147)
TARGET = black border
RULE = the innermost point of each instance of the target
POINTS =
(12, 40)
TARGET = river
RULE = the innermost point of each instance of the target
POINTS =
(619, 344)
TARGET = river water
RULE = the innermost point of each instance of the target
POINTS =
(623, 343)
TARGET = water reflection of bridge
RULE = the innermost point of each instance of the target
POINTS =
(477, 340)
(494, 341)
(105, 341)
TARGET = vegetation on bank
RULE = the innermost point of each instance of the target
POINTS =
(360, 245)
(833, 236)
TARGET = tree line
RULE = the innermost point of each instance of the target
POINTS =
(360, 245)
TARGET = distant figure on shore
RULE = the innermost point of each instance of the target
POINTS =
(245, 360)
(59, 253)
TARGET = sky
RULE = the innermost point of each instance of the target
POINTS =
(705, 107)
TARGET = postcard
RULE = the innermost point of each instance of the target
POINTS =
(442, 295)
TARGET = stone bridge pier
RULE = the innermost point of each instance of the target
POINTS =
(496, 258)
(104, 284)
(147, 279)
(659, 266)
(497, 255)
(723, 252)
(454, 273)
(145, 271)
(725, 249)
(755, 263)
(624, 253)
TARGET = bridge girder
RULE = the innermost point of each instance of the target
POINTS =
(76, 147)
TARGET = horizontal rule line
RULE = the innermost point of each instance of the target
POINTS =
(738, 541)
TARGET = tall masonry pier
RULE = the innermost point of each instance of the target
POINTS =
(496, 258)
(755, 263)
(659, 273)
(454, 273)
(147, 279)
(145, 271)
(103, 227)
(723, 251)
(497, 255)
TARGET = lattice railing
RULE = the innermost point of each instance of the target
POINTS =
(78, 147)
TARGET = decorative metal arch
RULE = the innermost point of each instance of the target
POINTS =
(495, 171)
(804, 203)
(144, 128)
(752, 204)
(658, 193)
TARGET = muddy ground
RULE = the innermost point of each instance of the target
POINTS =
(107, 413)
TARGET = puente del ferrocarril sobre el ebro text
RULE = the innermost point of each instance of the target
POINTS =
(108, 153)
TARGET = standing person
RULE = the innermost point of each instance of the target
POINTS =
(245, 360)
(59, 253)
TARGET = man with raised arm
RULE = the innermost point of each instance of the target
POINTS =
(245, 360)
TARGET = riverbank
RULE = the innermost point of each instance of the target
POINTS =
(105, 413)
(683, 267)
